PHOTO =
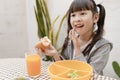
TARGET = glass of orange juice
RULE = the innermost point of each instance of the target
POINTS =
(33, 64)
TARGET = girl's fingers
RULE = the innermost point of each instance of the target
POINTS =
(50, 52)
(73, 34)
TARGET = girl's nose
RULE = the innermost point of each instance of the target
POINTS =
(78, 18)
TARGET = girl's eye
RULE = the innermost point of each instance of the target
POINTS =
(83, 13)
(72, 15)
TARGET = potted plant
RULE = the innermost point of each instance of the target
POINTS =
(116, 68)
(45, 26)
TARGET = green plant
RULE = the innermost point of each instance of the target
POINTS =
(116, 68)
(45, 26)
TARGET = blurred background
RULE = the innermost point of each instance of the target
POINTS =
(18, 27)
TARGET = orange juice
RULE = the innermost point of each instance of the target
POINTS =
(33, 64)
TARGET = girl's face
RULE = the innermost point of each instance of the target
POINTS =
(82, 22)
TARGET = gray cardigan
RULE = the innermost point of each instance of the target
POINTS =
(97, 58)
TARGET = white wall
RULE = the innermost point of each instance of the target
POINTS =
(13, 30)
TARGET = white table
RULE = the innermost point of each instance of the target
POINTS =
(15, 67)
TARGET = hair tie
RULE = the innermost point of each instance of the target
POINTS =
(98, 9)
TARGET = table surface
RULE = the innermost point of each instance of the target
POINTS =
(11, 68)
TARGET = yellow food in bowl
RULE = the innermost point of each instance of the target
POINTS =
(70, 70)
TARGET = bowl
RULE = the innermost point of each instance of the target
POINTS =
(70, 70)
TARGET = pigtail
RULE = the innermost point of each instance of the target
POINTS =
(101, 20)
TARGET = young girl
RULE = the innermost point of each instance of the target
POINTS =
(84, 39)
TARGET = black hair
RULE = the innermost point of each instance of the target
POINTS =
(79, 5)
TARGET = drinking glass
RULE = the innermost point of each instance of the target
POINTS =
(33, 64)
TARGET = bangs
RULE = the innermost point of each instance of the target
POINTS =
(80, 5)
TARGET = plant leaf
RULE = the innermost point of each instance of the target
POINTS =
(116, 68)
(46, 17)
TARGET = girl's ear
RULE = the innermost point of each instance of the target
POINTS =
(96, 17)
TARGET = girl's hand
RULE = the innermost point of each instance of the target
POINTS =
(50, 51)
(75, 37)
(44, 46)
(76, 41)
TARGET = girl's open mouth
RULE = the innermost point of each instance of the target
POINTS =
(79, 26)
